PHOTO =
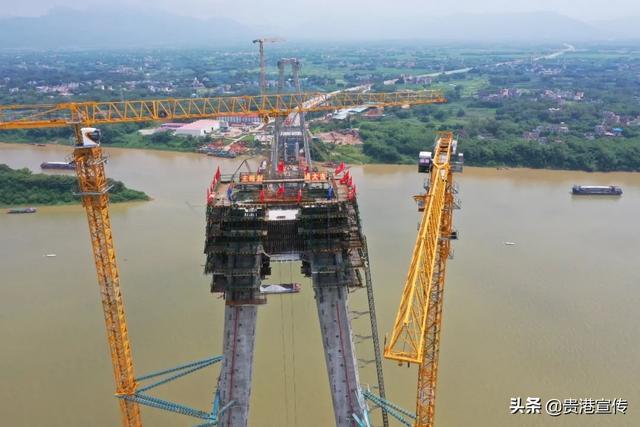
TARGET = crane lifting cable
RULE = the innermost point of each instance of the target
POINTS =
(293, 364)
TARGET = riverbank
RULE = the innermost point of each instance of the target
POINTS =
(585, 156)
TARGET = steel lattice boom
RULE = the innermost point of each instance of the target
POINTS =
(95, 199)
(415, 337)
(97, 113)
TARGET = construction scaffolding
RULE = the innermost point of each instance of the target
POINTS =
(311, 217)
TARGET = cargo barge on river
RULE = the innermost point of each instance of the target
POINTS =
(596, 190)
(21, 210)
(58, 165)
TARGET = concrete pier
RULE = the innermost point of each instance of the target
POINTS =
(335, 327)
(234, 383)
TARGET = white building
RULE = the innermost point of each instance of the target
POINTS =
(198, 128)
(343, 114)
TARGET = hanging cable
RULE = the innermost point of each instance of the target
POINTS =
(284, 359)
(293, 354)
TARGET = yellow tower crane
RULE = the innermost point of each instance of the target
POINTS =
(92, 181)
(94, 189)
(415, 337)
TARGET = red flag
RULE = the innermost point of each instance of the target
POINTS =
(340, 168)
(218, 174)
(299, 195)
(350, 183)
(281, 190)
(262, 195)
(345, 178)
(281, 167)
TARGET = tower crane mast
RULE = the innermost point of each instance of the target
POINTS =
(415, 337)
(94, 188)
(94, 191)
(261, 42)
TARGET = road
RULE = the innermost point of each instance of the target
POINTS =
(294, 119)
(568, 48)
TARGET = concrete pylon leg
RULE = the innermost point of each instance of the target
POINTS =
(234, 383)
(339, 350)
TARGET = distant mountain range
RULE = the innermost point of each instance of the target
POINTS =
(508, 27)
(68, 28)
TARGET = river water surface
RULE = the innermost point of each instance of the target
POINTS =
(554, 316)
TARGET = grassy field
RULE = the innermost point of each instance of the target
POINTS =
(135, 140)
(350, 154)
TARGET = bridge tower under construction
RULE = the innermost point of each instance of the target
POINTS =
(287, 210)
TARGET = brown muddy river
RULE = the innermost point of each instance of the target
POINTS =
(553, 316)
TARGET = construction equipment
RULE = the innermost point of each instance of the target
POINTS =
(415, 337)
(93, 113)
(95, 199)
(290, 134)
(261, 42)
(93, 185)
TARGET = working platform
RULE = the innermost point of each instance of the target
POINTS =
(287, 216)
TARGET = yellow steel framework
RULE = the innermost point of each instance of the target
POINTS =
(94, 188)
(415, 337)
(94, 191)
(98, 113)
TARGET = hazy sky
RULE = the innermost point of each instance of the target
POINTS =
(269, 12)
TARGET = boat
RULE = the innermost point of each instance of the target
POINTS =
(283, 288)
(596, 190)
(58, 165)
(50, 255)
(510, 243)
(22, 210)
(222, 153)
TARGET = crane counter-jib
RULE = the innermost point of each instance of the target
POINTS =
(96, 113)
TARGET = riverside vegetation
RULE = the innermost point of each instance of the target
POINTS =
(23, 187)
